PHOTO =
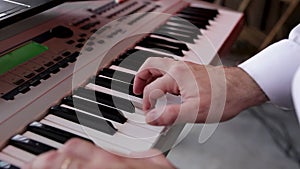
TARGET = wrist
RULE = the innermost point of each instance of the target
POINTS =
(245, 90)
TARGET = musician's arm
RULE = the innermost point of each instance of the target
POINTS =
(273, 69)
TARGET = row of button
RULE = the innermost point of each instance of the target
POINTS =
(45, 74)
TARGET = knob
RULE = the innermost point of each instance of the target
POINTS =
(61, 32)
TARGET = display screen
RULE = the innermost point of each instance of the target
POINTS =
(20, 55)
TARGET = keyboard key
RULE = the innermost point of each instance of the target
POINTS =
(5, 165)
(132, 144)
(11, 160)
(29, 145)
(42, 139)
(18, 153)
(179, 45)
(114, 85)
(118, 75)
(106, 99)
(104, 144)
(52, 133)
(84, 119)
(98, 110)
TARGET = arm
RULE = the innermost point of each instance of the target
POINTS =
(273, 69)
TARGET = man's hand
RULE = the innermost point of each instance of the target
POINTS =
(79, 154)
(206, 91)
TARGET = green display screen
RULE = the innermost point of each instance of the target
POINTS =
(20, 55)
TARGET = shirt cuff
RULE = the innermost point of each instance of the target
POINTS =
(273, 69)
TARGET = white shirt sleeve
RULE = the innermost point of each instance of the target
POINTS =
(274, 68)
(296, 93)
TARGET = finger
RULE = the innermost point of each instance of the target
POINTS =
(149, 71)
(78, 148)
(49, 160)
(175, 113)
(157, 89)
(143, 78)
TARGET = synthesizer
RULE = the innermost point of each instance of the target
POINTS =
(68, 71)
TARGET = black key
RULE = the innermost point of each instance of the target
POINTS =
(200, 25)
(208, 16)
(194, 18)
(115, 85)
(29, 145)
(95, 109)
(115, 74)
(134, 59)
(179, 45)
(84, 119)
(175, 36)
(129, 63)
(161, 47)
(52, 133)
(5, 165)
(106, 99)
(135, 54)
(181, 32)
(201, 10)
(189, 28)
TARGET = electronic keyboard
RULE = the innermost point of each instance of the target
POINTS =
(68, 72)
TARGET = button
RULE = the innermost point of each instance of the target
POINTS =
(70, 42)
(58, 58)
(61, 32)
(39, 69)
(81, 40)
(24, 88)
(90, 43)
(89, 49)
(67, 53)
(80, 45)
(72, 58)
(80, 21)
(19, 82)
(54, 69)
(83, 35)
(30, 75)
(92, 38)
(94, 30)
(63, 63)
(49, 64)
(101, 41)
(45, 75)
(35, 81)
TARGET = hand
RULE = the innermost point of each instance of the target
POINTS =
(78, 154)
(208, 93)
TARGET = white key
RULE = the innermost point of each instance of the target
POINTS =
(133, 144)
(126, 128)
(42, 139)
(114, 67)
(11, 160)
(98, 142)
(18, 153)
(133, 118)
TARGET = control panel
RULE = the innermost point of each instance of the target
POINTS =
(33, 56)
